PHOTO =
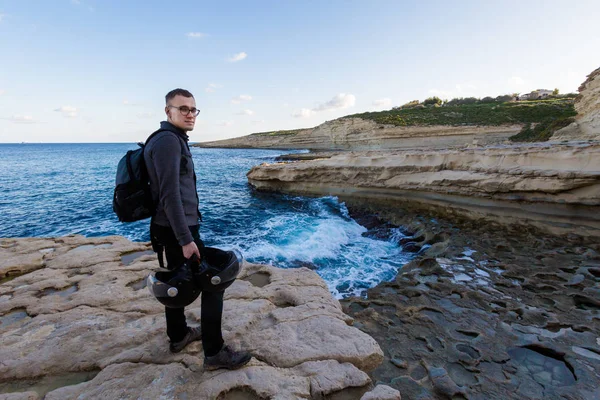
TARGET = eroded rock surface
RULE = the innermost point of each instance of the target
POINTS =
(382, 392)
(549, 185)
(493, 313)
(77, 322)
(587, 105)
(360, 134)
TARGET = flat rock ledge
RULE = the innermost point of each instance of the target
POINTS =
(553, 186)
(76, 322)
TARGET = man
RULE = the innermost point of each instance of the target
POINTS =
(175, 226)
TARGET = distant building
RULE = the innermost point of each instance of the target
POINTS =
(536, 94)
(540, 94)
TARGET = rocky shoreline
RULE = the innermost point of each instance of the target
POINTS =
(360, 134)
(77, 323)
(503, 298)
(485, 311)
(553, 186)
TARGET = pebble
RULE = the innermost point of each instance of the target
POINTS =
(399, 363)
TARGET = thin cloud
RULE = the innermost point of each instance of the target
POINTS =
(225, 123)
(67, 111)
(196, 35)
(246, 112)
(517, 81)
(146, 114)
(241, 98)
(258, 121)
(76, 2)
(238, 57)
(2, 92)
(385, 102)
(212, 87)
(303, 113)
(341, 101)
(21, 119)
(129, 103)
(2, 16)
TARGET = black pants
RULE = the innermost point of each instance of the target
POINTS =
(212, 303)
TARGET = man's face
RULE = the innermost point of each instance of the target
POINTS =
(176, 117)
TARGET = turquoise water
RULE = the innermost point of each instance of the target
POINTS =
(59, 189)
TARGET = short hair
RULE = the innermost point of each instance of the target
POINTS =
(177, 92)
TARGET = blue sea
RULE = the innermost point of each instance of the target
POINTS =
(49, 190)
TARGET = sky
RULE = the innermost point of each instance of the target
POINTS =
(97, 70)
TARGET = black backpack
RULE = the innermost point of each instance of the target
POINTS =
(132, 200)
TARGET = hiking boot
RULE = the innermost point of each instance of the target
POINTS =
(192, 335)
(227, 358)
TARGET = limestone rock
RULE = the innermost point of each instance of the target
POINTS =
(501, 313)
(85, 315)
(20, 396)
(550, 185)
(382, 392)
(360, 134)
(587, 105)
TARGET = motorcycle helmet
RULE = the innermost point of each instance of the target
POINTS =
(175, 288)
(178, 288)
(218, 269)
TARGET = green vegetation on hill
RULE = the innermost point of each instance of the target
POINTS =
(479, 113)
(539, 117)
(542, 131)
(277, 133)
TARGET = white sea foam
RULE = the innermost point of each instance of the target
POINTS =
(324, 238)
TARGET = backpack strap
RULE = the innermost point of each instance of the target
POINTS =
(157, 247)
(152, 135)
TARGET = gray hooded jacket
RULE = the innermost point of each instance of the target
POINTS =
(173, 181)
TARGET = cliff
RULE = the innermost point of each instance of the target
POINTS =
(550, 185)
(77, 322)
(362, 134)
(413, 127)
(587, 105)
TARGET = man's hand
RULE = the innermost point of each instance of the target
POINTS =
(190, 249)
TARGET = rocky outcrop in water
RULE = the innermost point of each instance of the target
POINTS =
(553, 186)
(587, 105)
(360, 134)
(77, 323)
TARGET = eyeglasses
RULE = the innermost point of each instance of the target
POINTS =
(184, 110)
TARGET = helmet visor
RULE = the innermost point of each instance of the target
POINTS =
(160, 289)
(233, 267)
(223, 266)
